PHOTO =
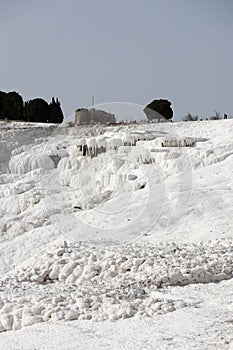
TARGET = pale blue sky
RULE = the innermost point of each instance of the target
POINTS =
(130, 51)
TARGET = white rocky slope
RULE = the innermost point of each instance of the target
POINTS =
(146, 212)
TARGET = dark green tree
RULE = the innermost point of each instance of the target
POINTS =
(11, 106)
(55, 115)
(159, 109)
(2, 99)
(37, 111)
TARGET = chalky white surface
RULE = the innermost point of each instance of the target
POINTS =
(174, 277)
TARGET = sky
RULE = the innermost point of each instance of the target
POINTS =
(125, 51)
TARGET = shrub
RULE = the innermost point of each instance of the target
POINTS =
(190, 118)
